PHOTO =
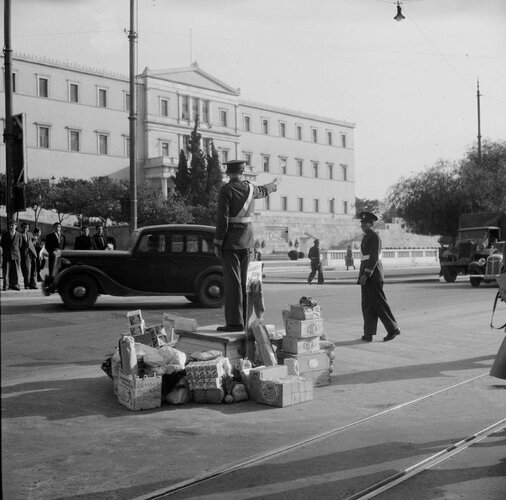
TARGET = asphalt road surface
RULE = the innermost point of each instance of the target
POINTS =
(390, 408)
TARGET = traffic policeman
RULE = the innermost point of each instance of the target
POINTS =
(234, 239)
(371, 279)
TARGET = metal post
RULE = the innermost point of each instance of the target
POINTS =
(132, 38)
(479, 119)
(8, 133)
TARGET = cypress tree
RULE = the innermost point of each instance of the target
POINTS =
(182, 180)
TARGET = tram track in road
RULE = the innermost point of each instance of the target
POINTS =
(371, 491)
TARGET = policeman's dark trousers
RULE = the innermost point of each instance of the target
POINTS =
(235, 274)
(315, 267)
(374, 306)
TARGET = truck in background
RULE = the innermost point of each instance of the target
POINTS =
(480, 236)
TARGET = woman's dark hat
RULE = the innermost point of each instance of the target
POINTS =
(235, 166)
(367, 217)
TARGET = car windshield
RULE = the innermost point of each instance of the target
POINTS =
(132, 240)
(477, 235)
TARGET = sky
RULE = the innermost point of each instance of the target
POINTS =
(409, 86)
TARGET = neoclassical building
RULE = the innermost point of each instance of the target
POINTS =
(77, 126)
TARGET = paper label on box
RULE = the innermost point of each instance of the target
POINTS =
(301, 345)
(304, 328)
(134, 317)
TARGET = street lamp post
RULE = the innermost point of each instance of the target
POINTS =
(132, 38)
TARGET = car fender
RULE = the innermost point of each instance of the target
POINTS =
(106, 285)
(475, 268)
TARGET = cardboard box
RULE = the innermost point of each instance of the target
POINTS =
(204, 383)
(261, 373)
(319, 377)
(205, 374)
(285, 391)
(140, 393)
(295, 345)
(298, 311)
(314, 361)
(115, 370)
(304, 328)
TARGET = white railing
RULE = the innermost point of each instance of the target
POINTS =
(389, 256)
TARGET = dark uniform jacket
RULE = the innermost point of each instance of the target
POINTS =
(370, 264)
(236, 234)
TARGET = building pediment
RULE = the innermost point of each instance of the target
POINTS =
(192, 76)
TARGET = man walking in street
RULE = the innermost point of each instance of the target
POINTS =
(371, 278)
(54, 241)
(316, 265)
(234, 240)
(28, 257)
(11, 257)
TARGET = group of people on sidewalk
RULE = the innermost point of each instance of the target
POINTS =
(234, 241)
(24, 253)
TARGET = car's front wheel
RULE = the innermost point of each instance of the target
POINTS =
(79, 291)
(211, 292)
(449, 274)
(475, 280)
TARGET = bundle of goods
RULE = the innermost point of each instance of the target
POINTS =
(304, 349)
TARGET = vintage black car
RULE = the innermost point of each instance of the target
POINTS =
(173, 259)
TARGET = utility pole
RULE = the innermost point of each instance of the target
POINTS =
(132, 38)
(479, 119)
(9, 128)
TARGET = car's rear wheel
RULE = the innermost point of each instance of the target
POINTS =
(79, 291)
(449, 274)
(211, 292)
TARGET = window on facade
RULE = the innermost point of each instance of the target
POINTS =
(265, 126)
(74, 140)
(247, 123)
(282, 165)
(344, 172)
(300, 204)
(102, 98)
(224, 155)
(205, 111)
(316, 205)
(266, 163)
(329, 137)
(330, 170)
(345, 207)
(343, 140)
(284, 203)
(164, 107)
(43, 134)
(185, 107)
(282, 129)
(102, 144)
(73, 92)
(223, 117)
(315, 168)
(14, 84)
(127, 146)
(332, 206)
(164, 147)
(314, 135)
(300, 167)
(195, 107)
(247, 158)
(267, 203)
(298, 132)
(127, 101)
(43, 87)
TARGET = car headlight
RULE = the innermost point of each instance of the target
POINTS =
(482, 262)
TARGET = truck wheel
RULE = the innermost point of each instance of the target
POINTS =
(211, 292)
(475, 281)
(449, 275)
(79, 291)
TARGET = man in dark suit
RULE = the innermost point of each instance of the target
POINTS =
(316, 265)
(11, 257)
(99, 238)
(84, 241)
(54, 241)
(234, 240)
(371, 278)
(28, 257)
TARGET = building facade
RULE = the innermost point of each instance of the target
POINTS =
(77, 126)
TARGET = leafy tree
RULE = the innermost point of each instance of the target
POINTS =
(36, 196)
(485, 180)
(60, 198)
(431, 201)
(104, 198)
(182, 179)
(214, 183)
(366, 205)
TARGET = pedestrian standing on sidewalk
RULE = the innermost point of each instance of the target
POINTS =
(11, 257)
(99, 238)
(28, 257)
(348, 259)
(234, 240)
(371, 279)
(54, 241)
(316, 265)
(84, 241)
(38, 244)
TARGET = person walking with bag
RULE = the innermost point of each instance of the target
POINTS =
(234, 240)
(316, 265)
(370, 279)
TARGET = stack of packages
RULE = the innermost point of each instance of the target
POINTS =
(302, 347)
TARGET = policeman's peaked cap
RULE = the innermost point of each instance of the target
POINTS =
(367, 217)
(235, 166)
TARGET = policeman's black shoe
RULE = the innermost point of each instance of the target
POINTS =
(367, 338)
(230, 328)
(391, 336)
